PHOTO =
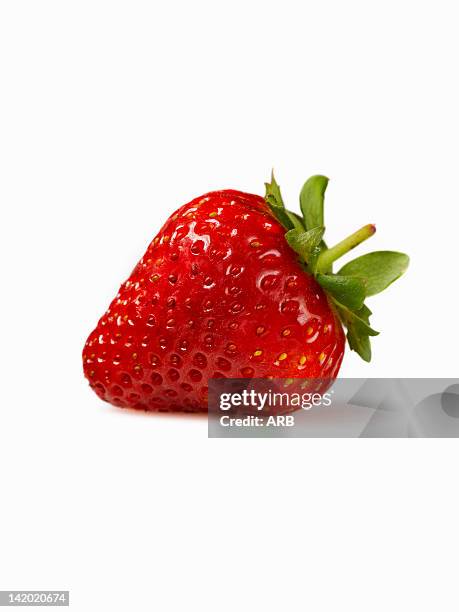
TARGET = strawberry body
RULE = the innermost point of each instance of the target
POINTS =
(218, 293)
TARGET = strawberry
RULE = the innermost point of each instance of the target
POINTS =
(234, 286)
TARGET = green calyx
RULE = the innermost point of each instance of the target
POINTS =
(355, 281)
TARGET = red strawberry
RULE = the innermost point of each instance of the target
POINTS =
(220, 292)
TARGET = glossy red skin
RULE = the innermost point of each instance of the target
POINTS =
(217, 285)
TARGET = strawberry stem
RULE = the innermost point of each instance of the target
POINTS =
(328, 256)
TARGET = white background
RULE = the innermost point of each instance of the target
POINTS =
(112, 115)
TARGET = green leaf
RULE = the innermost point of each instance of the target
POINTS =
(281, 215)
(306, 244)
(347, 290)
(358, 329)
(273, 191)
(273, 198)
(312, 201)
(379, 269)
(296, 220)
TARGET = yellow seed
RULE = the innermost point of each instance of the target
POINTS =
(325, 329)
(282, 356)
(213, 214)
(154, 278)
(309, 330)
(137, 367)
(134, 356)
(260, 330)
(255, 244)
(174, 218)
(166, 239)
(286, 332)
(258, 353)
(322, 358)
(91, 373)
(303, 359)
